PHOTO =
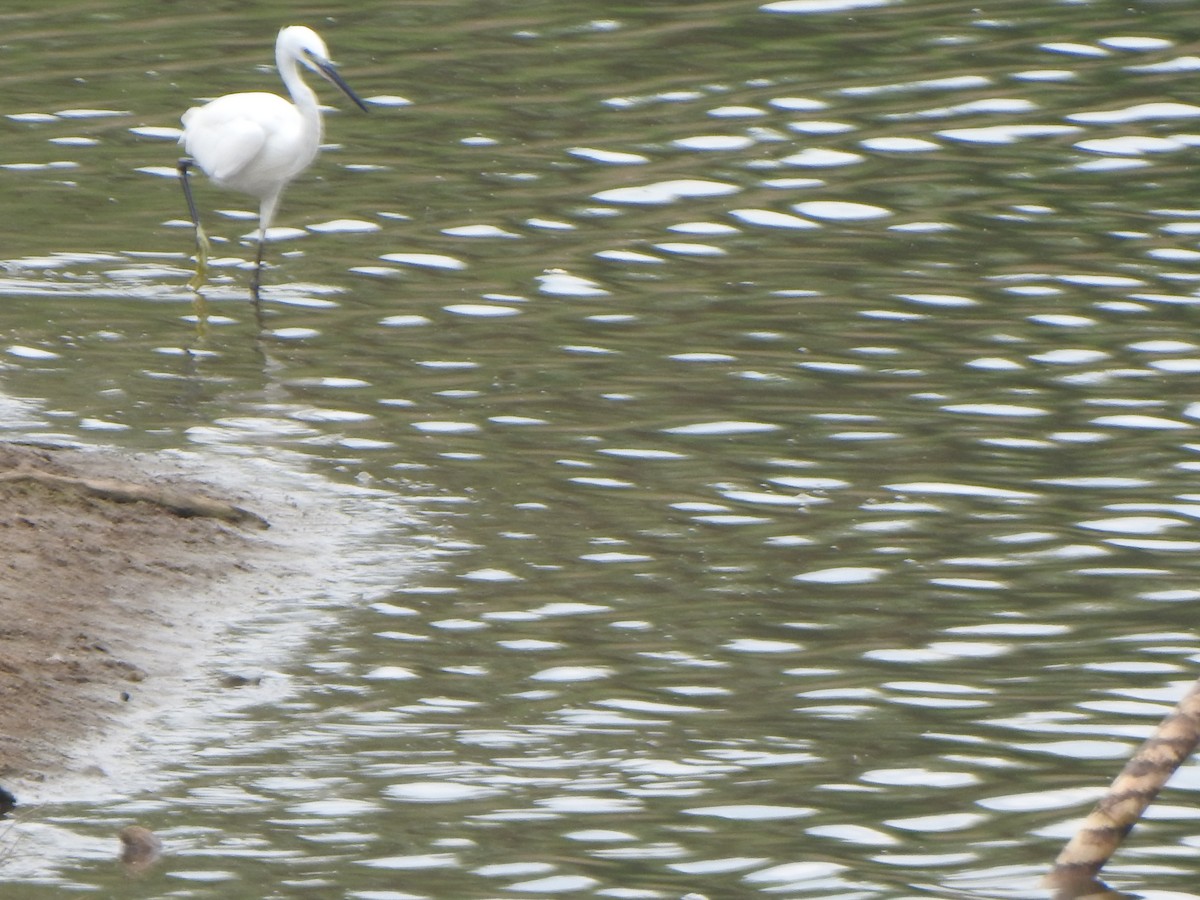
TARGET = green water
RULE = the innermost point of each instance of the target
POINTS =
(792, 410)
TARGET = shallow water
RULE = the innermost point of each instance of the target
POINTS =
(796, 404)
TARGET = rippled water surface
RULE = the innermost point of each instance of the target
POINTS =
(797, 402)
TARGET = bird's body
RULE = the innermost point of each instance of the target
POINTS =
(258, 142)
(251, 142)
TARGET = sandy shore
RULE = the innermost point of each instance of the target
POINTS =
(85, 632)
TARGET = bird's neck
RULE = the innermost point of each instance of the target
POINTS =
(302, 95)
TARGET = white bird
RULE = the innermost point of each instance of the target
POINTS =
(257, 142)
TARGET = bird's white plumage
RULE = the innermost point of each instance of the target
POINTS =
(257, 142)
(253, 143)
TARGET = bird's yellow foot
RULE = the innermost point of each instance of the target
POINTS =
(201, 277)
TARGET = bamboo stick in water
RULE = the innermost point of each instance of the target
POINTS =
(1131, 792)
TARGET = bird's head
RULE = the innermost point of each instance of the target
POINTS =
(303, 44)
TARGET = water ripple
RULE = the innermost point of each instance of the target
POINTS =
(909, 338)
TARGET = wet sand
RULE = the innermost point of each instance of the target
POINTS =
(89, 626)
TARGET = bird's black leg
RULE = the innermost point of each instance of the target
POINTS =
(256, 275)
(202, 246)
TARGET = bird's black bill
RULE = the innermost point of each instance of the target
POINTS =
(330, 72)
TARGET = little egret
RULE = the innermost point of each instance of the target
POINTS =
(257, 142)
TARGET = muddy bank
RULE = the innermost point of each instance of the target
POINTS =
(90, 623)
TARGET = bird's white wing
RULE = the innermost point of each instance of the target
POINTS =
(224, 152)
(226, 136)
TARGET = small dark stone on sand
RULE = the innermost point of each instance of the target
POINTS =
(140, 847)
(236, 679)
